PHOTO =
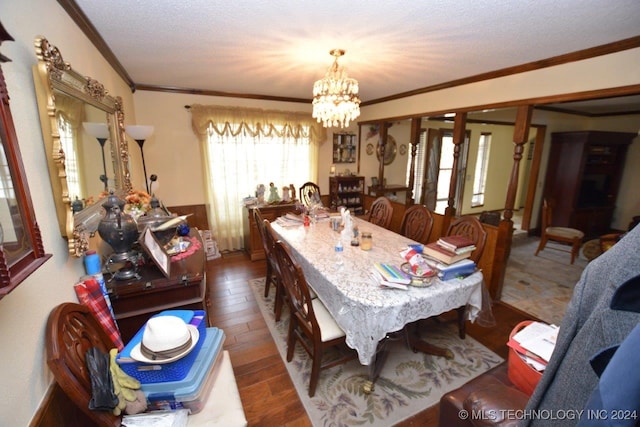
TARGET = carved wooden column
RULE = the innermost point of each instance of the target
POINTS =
(416, 123)
(459, 131)
(505, 228)
(520, 137)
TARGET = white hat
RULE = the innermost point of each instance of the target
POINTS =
(165, 339)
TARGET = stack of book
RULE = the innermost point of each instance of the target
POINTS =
(450, 249)
(457, 270)
(390, 276)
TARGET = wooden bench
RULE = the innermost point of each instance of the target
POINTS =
(71, 331)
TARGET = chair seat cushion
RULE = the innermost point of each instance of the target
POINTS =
(329, 329)
(569, 233)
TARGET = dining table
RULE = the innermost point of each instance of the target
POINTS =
(367, 312)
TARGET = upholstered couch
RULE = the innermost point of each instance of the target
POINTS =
(484, 401)
(604, 309)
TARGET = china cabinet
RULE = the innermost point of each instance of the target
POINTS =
(344, 148)
(347, 191)
(583, 177)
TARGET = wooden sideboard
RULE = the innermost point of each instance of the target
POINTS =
(252, 239)
(135, 300)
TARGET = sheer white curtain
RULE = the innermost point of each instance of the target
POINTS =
(242, 148)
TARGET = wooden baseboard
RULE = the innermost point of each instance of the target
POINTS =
(57, 409)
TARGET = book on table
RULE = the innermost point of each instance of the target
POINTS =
(386, 284)
(391, 273)
(457, 244)
(456, 270)
(434, 250)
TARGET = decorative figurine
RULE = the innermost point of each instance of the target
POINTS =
(285, 194)
(347, 232)
(260, 190)
(273, 193)
(292, 191)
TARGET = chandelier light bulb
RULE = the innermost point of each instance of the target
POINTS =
(335, 97)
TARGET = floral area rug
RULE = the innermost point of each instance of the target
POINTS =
(540, 285)
(408, 383)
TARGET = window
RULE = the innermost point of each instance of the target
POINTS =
(67, 140)
(445, 171)
(419, 168)
(242, 148)
(434, 169)
(242, 162)
(480, 176)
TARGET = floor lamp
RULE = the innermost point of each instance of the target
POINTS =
(99, 131)
(140, 134)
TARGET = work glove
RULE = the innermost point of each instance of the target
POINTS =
(131, 400)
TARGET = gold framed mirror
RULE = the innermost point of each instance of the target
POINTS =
(84, 137)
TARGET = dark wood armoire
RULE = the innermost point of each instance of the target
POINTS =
(583, 178)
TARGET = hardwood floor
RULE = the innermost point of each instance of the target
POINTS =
(268, 395)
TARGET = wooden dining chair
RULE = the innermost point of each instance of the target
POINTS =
(310, 193)
(272, 263)
(310, 322)
(271, 242)
(563, 235)
(470, 227)
(72, 329)
(381, 212)
(417, 223)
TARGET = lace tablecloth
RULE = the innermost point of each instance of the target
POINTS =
(365, 311)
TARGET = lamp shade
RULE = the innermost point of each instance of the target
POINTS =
(139, 132)
(97, 130)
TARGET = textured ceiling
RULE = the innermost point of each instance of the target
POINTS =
(279, 48)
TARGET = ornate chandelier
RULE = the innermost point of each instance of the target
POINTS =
(335, 97)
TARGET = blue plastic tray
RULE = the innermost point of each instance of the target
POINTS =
(153, 373)
(191, 386)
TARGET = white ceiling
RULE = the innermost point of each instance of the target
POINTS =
(279, 48)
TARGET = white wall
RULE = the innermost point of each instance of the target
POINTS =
(23, 313)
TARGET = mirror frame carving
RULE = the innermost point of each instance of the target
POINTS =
(52, 73)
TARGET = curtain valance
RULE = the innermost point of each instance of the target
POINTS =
(255, 122)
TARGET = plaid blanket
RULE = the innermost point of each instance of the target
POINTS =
(90, 294)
